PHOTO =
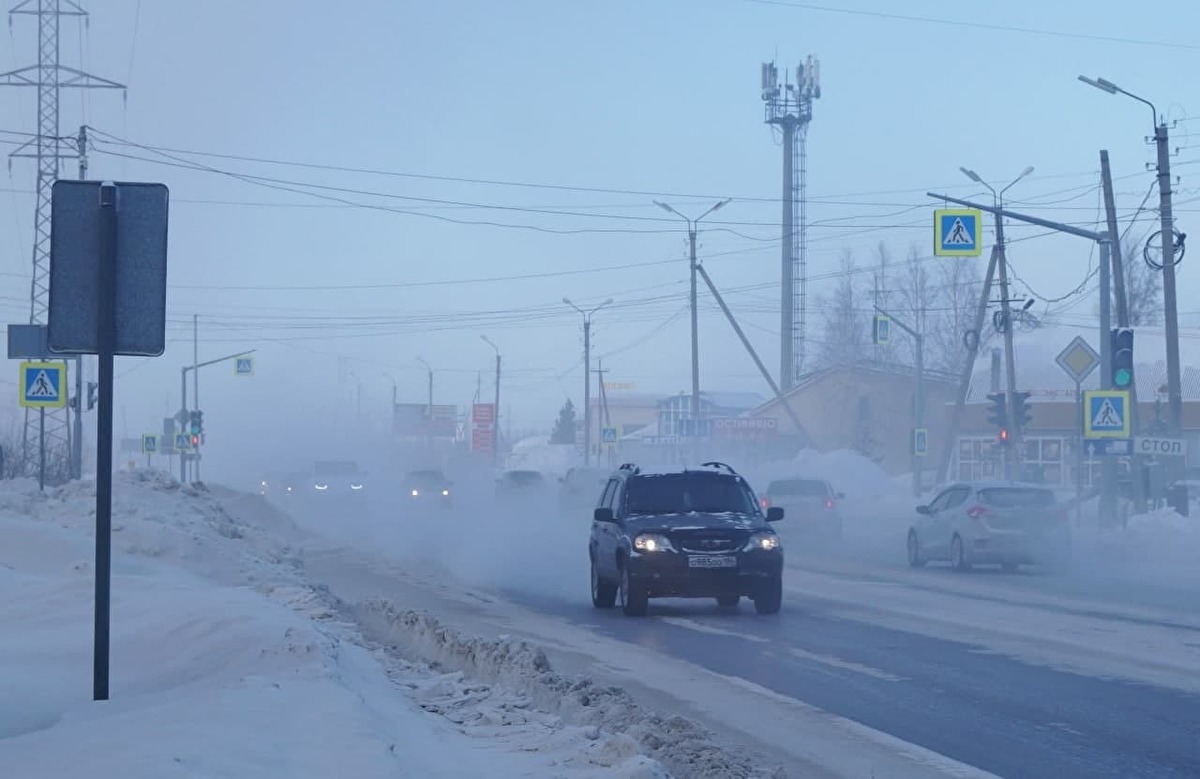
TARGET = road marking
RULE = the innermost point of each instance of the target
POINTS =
(846, 665)
(927, 758)
(700, 627)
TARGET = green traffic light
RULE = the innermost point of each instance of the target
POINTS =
(1122, 377)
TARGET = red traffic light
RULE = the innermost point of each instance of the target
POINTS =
(195, 441)
(1003, 435)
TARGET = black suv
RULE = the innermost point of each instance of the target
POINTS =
(684, 534)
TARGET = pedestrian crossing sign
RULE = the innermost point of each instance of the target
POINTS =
(956, 232)
(149, 444)
(1106, 414)
(43, 385)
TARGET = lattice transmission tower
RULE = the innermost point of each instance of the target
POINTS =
(789, 107)
(49, 77)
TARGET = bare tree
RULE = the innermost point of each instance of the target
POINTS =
(915, 299)
(846, 335)
(1143, 286)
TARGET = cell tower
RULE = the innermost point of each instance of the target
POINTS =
(789, 107)
(49, 149)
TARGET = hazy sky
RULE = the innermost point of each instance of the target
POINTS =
(605, 104)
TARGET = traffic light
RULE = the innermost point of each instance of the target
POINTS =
(196, 425)
(195, 441)
(1122, 357)
(998, 411)
(1002, 436)
(1022, 415)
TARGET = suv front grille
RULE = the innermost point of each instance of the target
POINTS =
(708, 543)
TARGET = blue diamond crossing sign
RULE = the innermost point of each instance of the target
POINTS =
(956, 232)
(182, 443)
(149, 444)
(243, 366)
(43, 385)
(1106, 414)
(608, 435)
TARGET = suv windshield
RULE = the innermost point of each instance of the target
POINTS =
(678, 493)
(808, 488)
(523, 478)
(426, 477)
(1016, 497)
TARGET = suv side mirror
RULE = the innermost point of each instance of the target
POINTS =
(604, 514)
(923, 510)
(774, 514)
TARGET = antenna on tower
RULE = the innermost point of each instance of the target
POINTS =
(790, 108)
(49, 149)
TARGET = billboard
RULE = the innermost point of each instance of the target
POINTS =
(743, 428)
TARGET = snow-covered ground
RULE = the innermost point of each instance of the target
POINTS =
(225, 663)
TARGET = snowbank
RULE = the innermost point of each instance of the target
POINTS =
(226, 663)
(678, 743)
(538, 454)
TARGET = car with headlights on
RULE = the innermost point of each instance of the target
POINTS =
(689, 533)
(338, 477)
(427, 488)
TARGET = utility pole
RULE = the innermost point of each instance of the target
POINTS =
(971, 341)
(603, 403)
(77, 442)
(1012, 450)
(196, 389)
(429, 405)
(918, 412)
(496, 413)
(789, 107)
(692, 263)
(587, 374)
(1168, 246)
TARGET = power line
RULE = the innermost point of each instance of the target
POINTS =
(976, 25)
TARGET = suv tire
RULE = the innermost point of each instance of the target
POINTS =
(604, 594)
(770, 597)
(634, 599)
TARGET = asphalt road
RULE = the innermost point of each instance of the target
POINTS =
(961, 700)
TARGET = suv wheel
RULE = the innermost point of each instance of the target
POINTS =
(634, 599)
(770, 597)
(604, 594)
(915, 559)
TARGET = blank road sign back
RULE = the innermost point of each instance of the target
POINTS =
(141, 268)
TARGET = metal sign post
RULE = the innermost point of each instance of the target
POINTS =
(108, 297)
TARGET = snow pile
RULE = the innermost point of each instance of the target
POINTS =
(620, 727)
(538, 454)
(235, 667)
(1161, 534)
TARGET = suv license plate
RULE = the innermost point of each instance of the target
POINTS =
(712, 561)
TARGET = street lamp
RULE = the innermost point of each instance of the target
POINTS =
(1010, 370)
(691, 223)
(496, 410)
(587, 375)
(1167, 239)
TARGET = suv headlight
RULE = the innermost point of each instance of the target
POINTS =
(763, 542)
(652, 542)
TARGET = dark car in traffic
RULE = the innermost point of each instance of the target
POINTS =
(338, 477)
(690, 533)
(428, 488)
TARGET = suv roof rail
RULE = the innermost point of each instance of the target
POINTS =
(631, 467)
(715, 464)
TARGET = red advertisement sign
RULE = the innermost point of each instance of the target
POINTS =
(484, 414)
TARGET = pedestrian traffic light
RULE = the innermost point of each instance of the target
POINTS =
(1022, 416)
(998, 411)
(1122, 357)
